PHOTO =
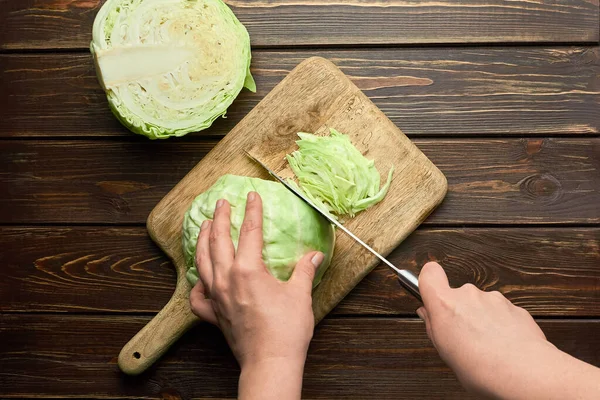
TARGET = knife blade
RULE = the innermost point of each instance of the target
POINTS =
(407, 279)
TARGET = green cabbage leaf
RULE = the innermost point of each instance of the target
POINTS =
(335, 176)
(170, 67)
(291, 228)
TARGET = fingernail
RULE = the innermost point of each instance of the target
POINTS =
(204, 225)
(220, 203)
(420, 313)
(317, 259)
(251, 196)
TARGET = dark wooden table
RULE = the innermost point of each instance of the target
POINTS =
(504, 96)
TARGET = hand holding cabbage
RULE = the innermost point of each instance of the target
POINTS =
(267, 323)
(253, 274)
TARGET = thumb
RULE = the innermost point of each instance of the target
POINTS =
(306, 269)
(433, 283)
(422, 313)
(201, 306)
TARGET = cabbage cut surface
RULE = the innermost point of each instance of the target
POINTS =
(170, 67)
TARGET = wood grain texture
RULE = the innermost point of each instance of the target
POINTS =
(348, 358)
(548, 271)
(503, 181)
(426, 91)
(43, 24)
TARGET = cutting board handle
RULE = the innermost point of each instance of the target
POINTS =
(150, 343)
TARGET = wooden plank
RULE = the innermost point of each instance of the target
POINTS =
(549, 271)
(75, 356)
(507, 181)
(83, 269)
(427, 91)
(67, 24)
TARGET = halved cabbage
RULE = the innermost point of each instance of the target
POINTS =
(170, 67)
(335, 176)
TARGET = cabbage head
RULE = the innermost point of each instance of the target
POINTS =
(170, 67)
(291, 228)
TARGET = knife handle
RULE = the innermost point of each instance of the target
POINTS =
(410, 282)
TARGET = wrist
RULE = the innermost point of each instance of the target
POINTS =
(273, 354)
(270, 378)
(286, 362)
(520, 373)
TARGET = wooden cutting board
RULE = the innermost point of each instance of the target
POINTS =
(316, 95)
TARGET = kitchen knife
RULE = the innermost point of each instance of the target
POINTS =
(408, 280)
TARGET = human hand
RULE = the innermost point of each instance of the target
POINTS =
(488, 342)
(267, 323)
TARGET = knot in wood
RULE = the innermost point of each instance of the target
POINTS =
(543, 186)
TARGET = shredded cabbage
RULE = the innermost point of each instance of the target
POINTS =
(334, 174)
(170, 67)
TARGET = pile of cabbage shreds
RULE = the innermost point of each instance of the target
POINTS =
(335, 176)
